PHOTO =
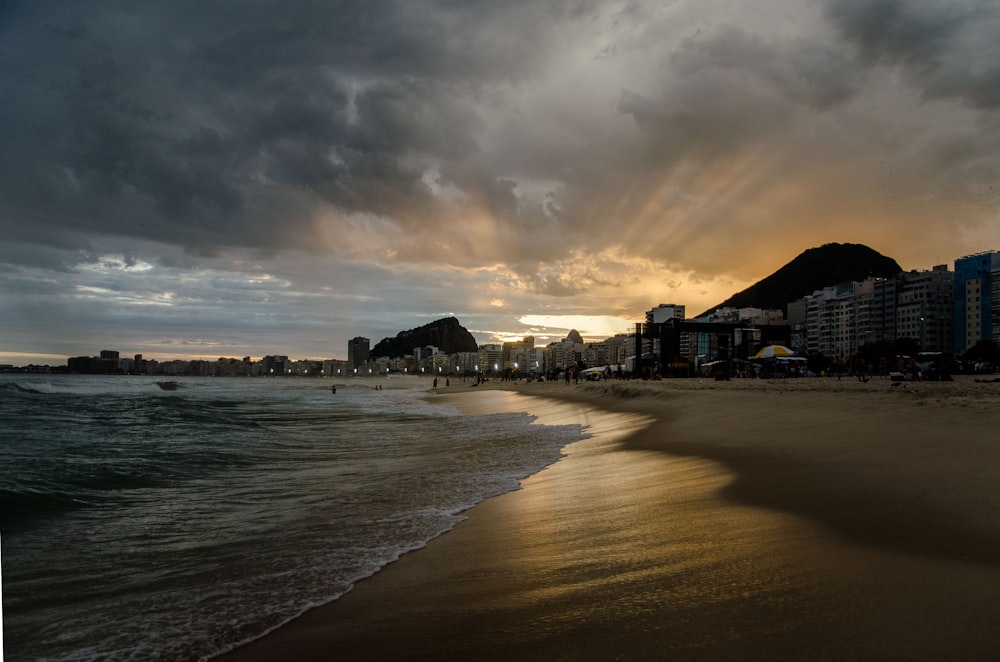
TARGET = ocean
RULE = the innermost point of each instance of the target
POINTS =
(138, 522)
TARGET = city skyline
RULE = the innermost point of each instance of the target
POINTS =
(228, 182)
(912, 306)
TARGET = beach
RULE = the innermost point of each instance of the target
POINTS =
(749, 519)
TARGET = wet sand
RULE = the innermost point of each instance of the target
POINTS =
(787, 519)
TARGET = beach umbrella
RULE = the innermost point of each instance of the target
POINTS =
(773, 352)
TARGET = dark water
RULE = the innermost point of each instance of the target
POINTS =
(140, 522)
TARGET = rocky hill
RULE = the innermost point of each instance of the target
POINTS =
(813, 270)
(446, 334)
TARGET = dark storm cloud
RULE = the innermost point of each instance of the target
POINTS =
(806, 71)
(949, 50)
(365, 156)
(172, 122)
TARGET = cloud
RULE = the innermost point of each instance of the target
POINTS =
(554, 156)
(946, 50)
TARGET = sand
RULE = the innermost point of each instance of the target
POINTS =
(752, 519)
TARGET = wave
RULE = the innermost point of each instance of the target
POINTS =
(81, 387)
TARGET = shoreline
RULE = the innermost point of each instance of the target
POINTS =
(765, 519)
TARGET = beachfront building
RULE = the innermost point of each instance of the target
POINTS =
(334, 368)
(610, 351)
(837, 319)
(533, 361)
(660, 315)
(273, 365)
(380, 365)
(620, 347)
(465, 363)
(427, 359)
(440, 364)
(490, 358)
(797, 324)
(305, 368)
(741, 340)
(748, 315)
(564, 353)
(914, 304)
(107, 362)
(924, 308)
(883, 311)
(357, 352)
(664, 312)
(701, 347)
(518, 355)
(977, 300)
(402, 364)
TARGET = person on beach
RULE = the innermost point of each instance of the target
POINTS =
(861, 369)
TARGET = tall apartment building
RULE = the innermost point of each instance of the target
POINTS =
(564, 353)
(659, 315)
(924, 308)
(357, 352)
(883, 311)
(664, 312)
(490, 358)
(466, 362)
(519, 354)
(837, 320)
(977, 299)
(610, 351)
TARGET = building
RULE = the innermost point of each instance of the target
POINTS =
(490, 358)
(334, 368)
(519, 355)
(664, 312)
(650, 346)
(106, 363)
(357, 352)
(837, 321)
(924, 308)
(565, 353)
(977, 300)
(466, 363)
(883, 311)
(274, 365)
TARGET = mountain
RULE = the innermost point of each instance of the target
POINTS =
(816, 268)
(446, 334)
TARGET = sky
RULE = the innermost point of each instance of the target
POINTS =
(203, 179)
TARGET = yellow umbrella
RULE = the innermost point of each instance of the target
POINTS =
(773, 351)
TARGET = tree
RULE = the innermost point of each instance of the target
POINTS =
(984, 351)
